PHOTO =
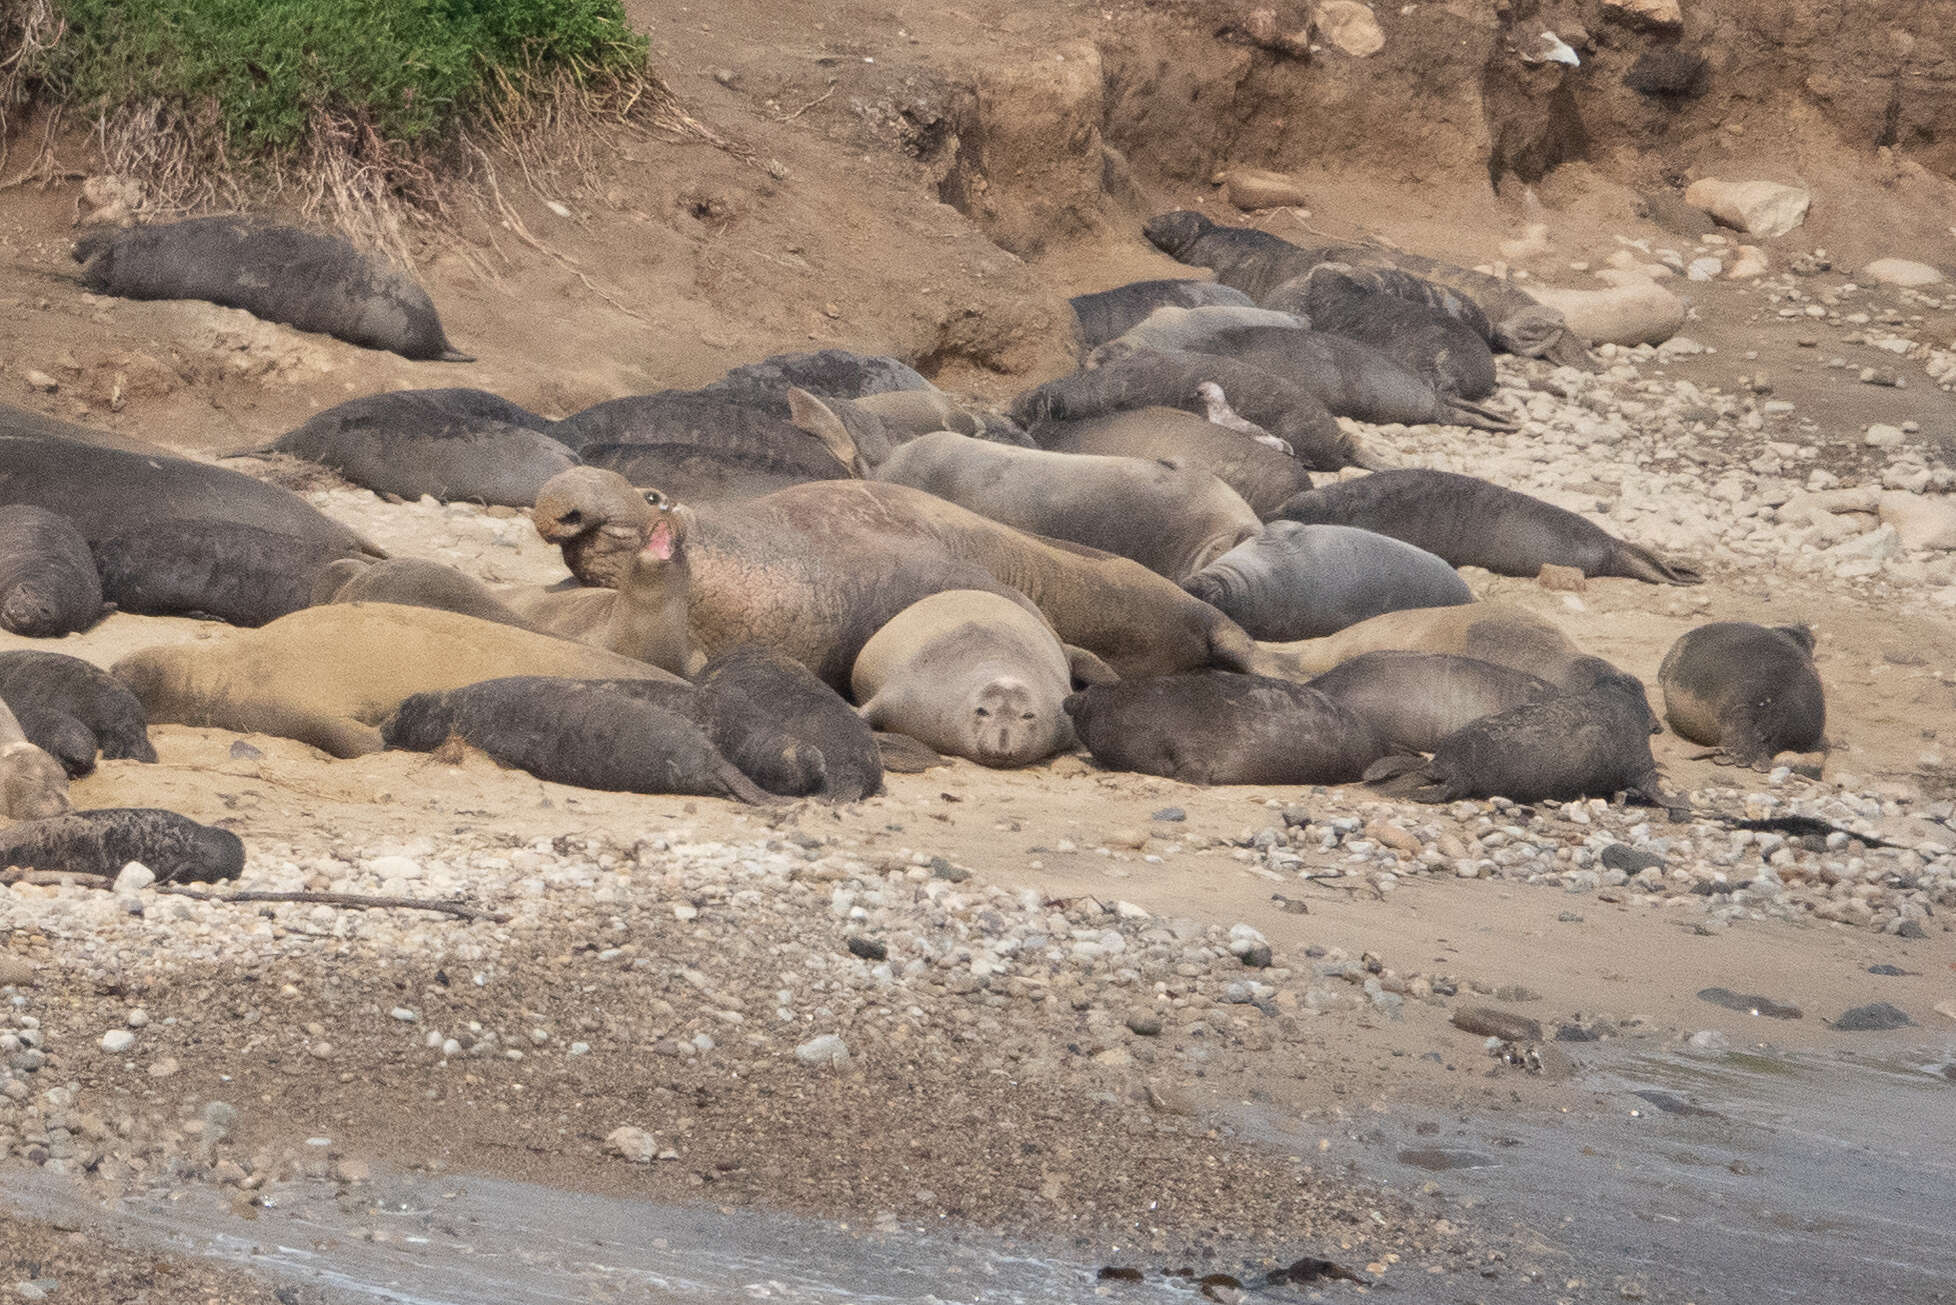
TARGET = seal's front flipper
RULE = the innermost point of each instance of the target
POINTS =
(905, 755)
(1087, 668)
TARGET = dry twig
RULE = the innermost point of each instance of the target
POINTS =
(356, 901)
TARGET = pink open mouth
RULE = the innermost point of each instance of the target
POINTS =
(659, 543)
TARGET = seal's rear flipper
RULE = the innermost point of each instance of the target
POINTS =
(1402, 775)
(905, 755)
(453, 355)
(1463, 413)
(1640, 563)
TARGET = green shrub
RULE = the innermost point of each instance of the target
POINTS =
(259, 69)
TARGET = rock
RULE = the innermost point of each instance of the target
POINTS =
(350, 1170)
(1170, 1099)
(1256, 956)
(16, 971)
(1639, 311)
(117, 1041)
(41, 381)
(1253, 188)
(1750, 1003)
(633, 1144)
(1646, 13)
(1128, 839)
(1883, 436)
(1704, 269)
(1873, 1017)
(868, 948)
(1492, 1023)
(1622, 856)
(1387, 834)
(1533, 242)
(164, 1067)
(1350, 27)
(1946, 1009)
(133, 878)
(1170, 815)
(1902, 272)
(1144, 1024)
(1759, 208)
(1751, 262)
(828, 1049)
(1922, 521)
(1563, 579)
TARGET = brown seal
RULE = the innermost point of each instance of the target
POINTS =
(1748, 690)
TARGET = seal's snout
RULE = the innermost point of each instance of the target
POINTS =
(659, 541)
(1007, 729)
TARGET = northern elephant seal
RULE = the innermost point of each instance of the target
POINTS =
(789, 732)
(107, 490)
(449, 444)
(1171, 518)
(1414, 699)
(238, 574)
(1303, 582)
(588, 733)
(826, 373)
(1751, 691)
(1262, 477)
(698, 447)
(1216, 408)
(1215, 727)
(60, 698)
(48, 583)
(33, 784)
(815, 570)
(411, 582)
(101, 842)
(1474, 522)
(1589, 744)
(646, 616)
(309, 281)
(1455, 360)
(329, 675)
(1108, 314)
(971, 674)
(1148, 378)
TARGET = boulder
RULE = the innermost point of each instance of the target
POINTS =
(1253, 188)
(1759, 208)
(1902, 272)
(1922, 520)
(1639, 311)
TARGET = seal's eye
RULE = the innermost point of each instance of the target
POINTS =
(655, 498)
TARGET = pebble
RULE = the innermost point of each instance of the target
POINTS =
(1873, 1017)
(828, 1049)
(633, 1144)
(133, 878)
(117, 1041)
(1490, 1022)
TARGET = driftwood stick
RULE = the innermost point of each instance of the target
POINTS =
(358, 901)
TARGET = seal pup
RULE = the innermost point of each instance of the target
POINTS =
(33, 785)
(1447, 353)
(1172, 519)
(447, 444)
(1215, 406)
(1261, 476)
(1750, 691)
(1474, 522)
(1414, 699)
(329, 675)
(282, 274)
(1303, 582)
(1109, 314)
(815, 570)
(239, 574)
(827, 373)
(101, 842)
(60, 699)
(1217, 727)
(786, 730)
(1590, 744)
(592, 734)
(1148, 378)
(971, 674)
(412, 582)
(48, 583)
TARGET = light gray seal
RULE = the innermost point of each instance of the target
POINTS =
(412, 582)
(1304, 582)
(1414, 700)
(1264, 478)
(1108, 314)
(1751, 691)
(33, 785)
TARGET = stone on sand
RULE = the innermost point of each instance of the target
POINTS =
(1759, 208)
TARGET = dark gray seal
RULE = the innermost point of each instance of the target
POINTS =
(48, 584)
(1473, 522)
(825, 373)
(238, 574)
(1590, 744)
(1108, 314)
(1447, 353)
(786, 730)
(100, 842)
(1304, 582)
(282, 274)
(412, 582)
(449, 444)
(1148, 378)
(697, 447)
(597, 734)
(1455, 305)
(1415, 700)
(1218, 727)
(1748, 690)
(108, 491)
(52, 693)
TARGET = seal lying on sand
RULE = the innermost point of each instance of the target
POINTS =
(1414, 700)
(1304, 582)
(1108, 314)
(597, 734)
(449, 444)
(1172, 519)
(1748, 690)
(1148, 378)
(236, 573)
(412, 582)
(1473, 522)
(1212, 727)
(33, 785)
(1261, 476)
(1589, 744)
(328, 675)
(314, 282)
(72, 708)
(48, 583)
(101, 842)
(814, 571)
(971, 674)
(826, 373)
(109, 491)
(786, 730)
(1447, 353)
